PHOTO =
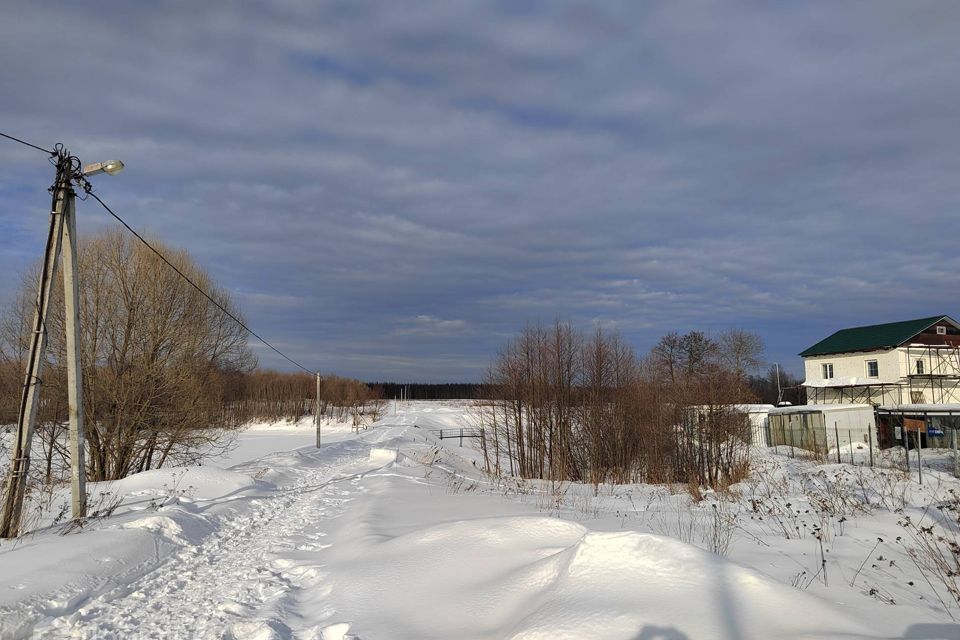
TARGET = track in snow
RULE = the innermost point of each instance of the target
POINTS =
(235, 583)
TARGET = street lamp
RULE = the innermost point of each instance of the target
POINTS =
(110, 167)
(62, 235)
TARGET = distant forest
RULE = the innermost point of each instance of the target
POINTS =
(764, 387)
(441, 391)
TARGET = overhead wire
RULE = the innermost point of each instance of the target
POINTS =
(193, 284)
(28, 144)
(87, 189)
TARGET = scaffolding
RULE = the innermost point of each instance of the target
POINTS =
(932, 377)
(856, 393)
(933, 368)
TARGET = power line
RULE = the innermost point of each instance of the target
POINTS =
(28, 144)
(193, 284)
(88, 189)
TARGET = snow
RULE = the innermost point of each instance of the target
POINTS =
(935, 409)
(262, 438)
(753, 408)
(199, 482)
(821, 408)
(850, 382)
(424, 575)
(742, 408)
(392, 533)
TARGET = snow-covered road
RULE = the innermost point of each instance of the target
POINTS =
(234, 581)
(225, 576)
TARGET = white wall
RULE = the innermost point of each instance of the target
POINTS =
(894, 367)
(854, 365)
(759, 423)
(853, 419)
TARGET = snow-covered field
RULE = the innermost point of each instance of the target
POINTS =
(393, 534)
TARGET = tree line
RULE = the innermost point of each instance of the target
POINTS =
(168, 377)
(433, 391)
(570, 406)
(275, 395)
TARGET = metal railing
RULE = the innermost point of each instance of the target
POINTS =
(458, 433)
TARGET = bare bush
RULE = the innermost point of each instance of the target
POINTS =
(156, 355)
(571, 407)
(274, 395)
(934, 548)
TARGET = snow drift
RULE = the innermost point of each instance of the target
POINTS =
(535, 578)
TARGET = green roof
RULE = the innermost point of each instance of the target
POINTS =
(877, 336)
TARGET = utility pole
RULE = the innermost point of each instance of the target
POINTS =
(71, 307)
(316, 412)
(30, 396)
(779, 390)
(62, 234)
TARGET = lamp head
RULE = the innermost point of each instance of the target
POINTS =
(110, 167)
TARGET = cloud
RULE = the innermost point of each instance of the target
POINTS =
(347, 168)
(424, 325)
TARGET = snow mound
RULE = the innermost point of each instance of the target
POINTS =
(201, 483)
(621, 584)
(179, 528)
(380, 456)
(532, 578)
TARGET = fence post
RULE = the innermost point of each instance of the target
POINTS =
(850, 442)
(956, 460)
(836, 432)
(441, 434)
(461, 437)
(905, 440)
(816, 449)
(919, 462)
(870, 440)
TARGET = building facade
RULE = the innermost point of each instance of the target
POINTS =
(900, 363)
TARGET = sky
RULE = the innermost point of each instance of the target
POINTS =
(391, 191)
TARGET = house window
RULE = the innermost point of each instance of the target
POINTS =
(919, 367)
(873, 369)
(827, 371)
(916, 397)
(941, 331)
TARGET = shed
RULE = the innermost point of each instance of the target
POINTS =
(757, 414)
(930, 425)
(754, 414)
(821, 427)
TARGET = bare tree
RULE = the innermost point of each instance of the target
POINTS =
(155, 353)
(568, 407)
(740, 351)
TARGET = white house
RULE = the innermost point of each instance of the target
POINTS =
(893, 364)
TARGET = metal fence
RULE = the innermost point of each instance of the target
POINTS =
(904, 449)
(457, 433)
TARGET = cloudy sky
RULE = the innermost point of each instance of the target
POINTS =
(392, 190)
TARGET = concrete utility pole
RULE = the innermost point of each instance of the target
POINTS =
(71, 308)
(779, 390)
(316, 412)
(62, 234)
